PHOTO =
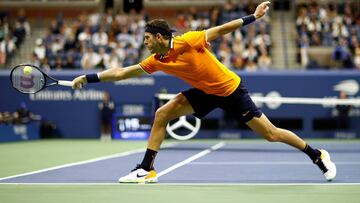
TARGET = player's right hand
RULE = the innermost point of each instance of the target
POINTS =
(79, 82)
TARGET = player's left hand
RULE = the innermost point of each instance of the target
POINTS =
(261, 9)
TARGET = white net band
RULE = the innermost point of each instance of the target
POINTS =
(290, 100)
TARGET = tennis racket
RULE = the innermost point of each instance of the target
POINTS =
(29, 79)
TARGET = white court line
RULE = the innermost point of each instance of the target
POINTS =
(192, 158)
(187, 184)
(267, 163)
(122, 154)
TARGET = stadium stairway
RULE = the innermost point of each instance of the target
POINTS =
(23, 54)
(284, 35)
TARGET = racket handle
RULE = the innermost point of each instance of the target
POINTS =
(65, 83)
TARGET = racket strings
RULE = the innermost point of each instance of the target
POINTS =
(27, 83)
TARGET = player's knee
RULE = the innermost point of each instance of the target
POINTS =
(272, 135)
(161, 116)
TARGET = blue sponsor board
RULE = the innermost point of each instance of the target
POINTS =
(19, 132)
(76, 114)
(131, 127)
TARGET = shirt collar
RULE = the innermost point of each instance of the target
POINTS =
(171, 47)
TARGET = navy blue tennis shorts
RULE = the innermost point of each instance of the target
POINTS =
(239, 104)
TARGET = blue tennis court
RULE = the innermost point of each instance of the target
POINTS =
(197, 162)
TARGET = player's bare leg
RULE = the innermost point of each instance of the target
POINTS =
(268, 131)
(144, 172)
(176, 107)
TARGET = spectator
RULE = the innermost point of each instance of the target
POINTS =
(45, 66)
(55, 27)
(264, 61)
(69, 63)
(40, 49)
(24, 115)
(224, 54)
(263, 38)
(103, 58)
(7, 48)
(22, 27)
(1, 118)
(112, 39)
(250, 53)
(342, 55)
(124, 35)
(100, 38)
(121, 19)
(90, 59)
(120, 50)
(302, 18)
(181, 22)
(58, 63)
(251, 65)
(106, 108)
(237, 62)
(339, 29)
(48, 39)
(2, 52)
(238, 45)
(57, 45)
(131, 52)
(342, 118)
(113, 60)
(70, 43)
(304, 47)
(84, 37)
(357, 56)
(7, 119)
(34, 60)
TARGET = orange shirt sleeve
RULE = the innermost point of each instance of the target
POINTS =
(148, 64)
(196, 39)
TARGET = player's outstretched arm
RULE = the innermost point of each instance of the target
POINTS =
(215, 32)
(109, 75)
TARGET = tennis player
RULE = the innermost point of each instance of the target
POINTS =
(215, 86)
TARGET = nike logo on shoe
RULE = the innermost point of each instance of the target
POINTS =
(140, 175)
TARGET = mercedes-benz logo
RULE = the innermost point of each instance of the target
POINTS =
(182, 124)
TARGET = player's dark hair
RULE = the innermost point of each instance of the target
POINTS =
(159, 26)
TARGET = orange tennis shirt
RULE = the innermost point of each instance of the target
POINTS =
(191, 61)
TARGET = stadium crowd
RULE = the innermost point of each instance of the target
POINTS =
(96, 40)
(335, 25)
(13, 31)
(245, 49)
(104, 40)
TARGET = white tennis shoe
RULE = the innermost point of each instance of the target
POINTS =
(139, 175)
(326, 165)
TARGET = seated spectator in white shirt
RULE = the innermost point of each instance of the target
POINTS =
(85, 35)
(103, 58)
(90, 59)
(57, 45)
(100, 38)
(40, 49)
(264, 61)
(113, 60)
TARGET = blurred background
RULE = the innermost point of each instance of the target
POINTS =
(307, 49)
